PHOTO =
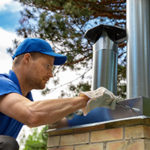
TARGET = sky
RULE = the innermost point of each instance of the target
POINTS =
(9, 17)
(10, 14)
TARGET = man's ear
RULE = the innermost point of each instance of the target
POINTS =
(27, 58)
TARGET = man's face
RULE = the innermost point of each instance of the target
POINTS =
(40, 70)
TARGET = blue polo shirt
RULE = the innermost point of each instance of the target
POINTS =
(10, 84)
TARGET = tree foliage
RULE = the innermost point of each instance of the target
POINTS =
(64, 23)
(37, 141)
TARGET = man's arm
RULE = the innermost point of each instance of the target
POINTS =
(39, 112)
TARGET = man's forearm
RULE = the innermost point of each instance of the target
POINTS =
(50, 111)
(39, 112)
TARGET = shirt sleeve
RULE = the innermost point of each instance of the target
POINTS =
(7, 86)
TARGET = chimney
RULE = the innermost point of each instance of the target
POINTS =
(138, 52)
(105, 55)
(129, 126)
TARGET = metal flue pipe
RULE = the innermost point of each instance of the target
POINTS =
(138, 51)
(105, 58)
(105, 55)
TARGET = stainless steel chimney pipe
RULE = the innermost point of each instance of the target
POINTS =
(138, 53)
(105, 55)
(105, 58)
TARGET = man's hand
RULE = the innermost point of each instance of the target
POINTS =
(101, 97)
(85, 96)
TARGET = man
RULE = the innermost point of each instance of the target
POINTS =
(32, 68)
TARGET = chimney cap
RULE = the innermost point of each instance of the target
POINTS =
(115, 33)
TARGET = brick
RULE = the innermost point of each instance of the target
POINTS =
(147, 144)
(126, 145)
(74, 139)
(146, 131)
(53, 141)
(116, 146)
(136, 145)
(98, 146)
(107, 135)
(62, 148)
(134, 132)
(139, 131)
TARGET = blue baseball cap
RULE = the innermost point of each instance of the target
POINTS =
(40, 46)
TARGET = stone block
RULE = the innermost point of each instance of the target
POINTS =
(98, 146)
(74, 139)
(107, 135)
(53, 141)
(126, 145)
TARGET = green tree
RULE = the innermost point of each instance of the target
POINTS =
(64, 22)
(38, 140)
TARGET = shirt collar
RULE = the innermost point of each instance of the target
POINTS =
(14, 78)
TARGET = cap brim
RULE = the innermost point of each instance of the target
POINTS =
(59, 59)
